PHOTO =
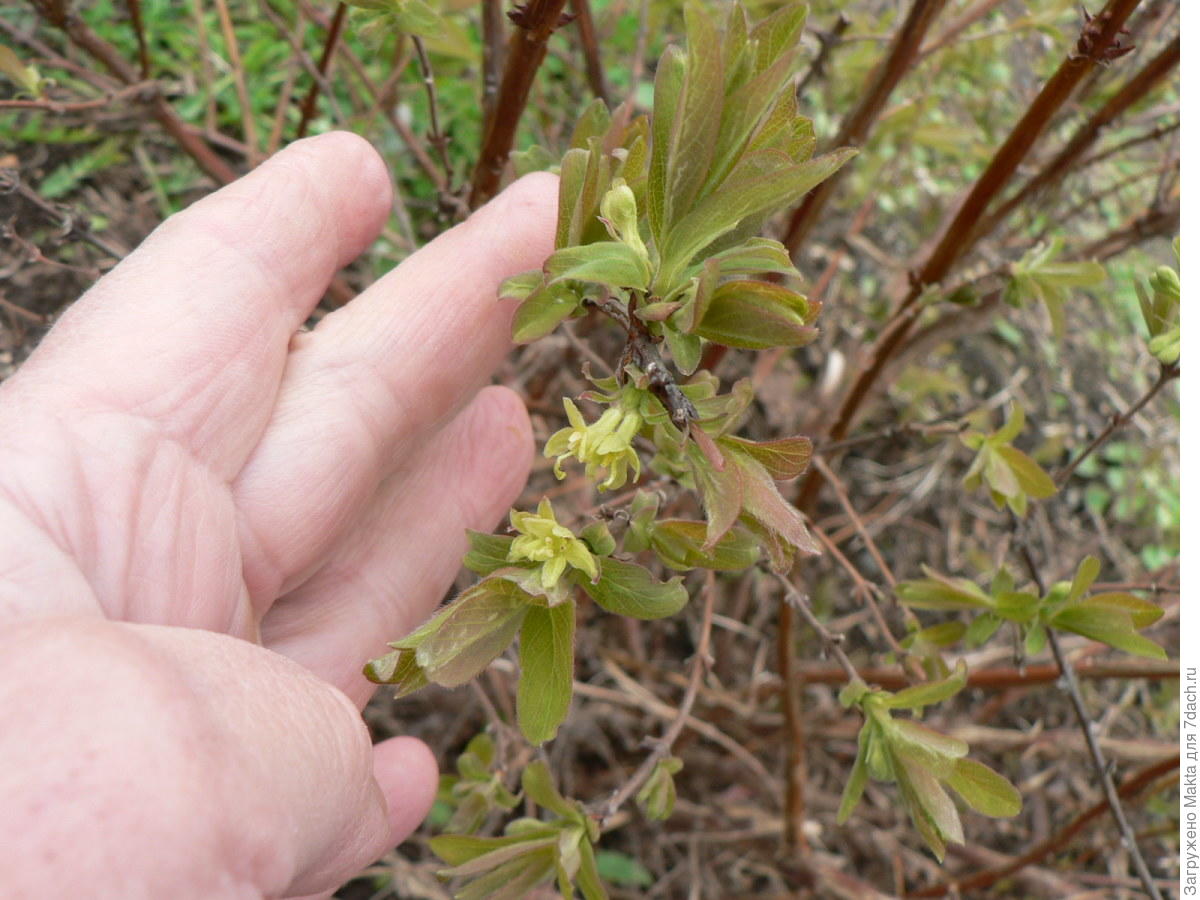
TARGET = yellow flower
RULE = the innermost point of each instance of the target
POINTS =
(543, 540)
(605, 445)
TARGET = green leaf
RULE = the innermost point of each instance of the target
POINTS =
(488, 552)
(1073, 274)
(943, 634)
(25, 77)
(387, 17)
(784, 130)
(70, 174)
(755, 256)
(417, 18)
(571, 178)
(547, 658)
(762, 501)
(1001, 479)
(515, 879)
(627, 589)
(1108, 626)
(931, 808)
(697, 121)
(1031, 478)
(1018, 606)
(784, 458)
(738, 199)
(921, 695)
(593, 122)
(778, 33)
(1085, 575)
(538, 785)
(1141, 612)
(1035, 639)
(1016, 422)
(859, 776)
(743, 110)
(610, 263)
(697, 297)
(668, 85)
(721, 491)
(1038, 276)
(520, 286)
(399, 668)
(622, 869)
(477, 627)
(543, 311)
(853, 693)
(937, 591)
(534, 158)
(980, 630)
(985, 791)
(657, 796)
(680, 545)
(642, 512)
(685, 350)
(457, 849)
(930, 749)
(599, 539)
(587, 879)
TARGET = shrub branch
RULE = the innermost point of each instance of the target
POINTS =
(535, 22)
(901, 55)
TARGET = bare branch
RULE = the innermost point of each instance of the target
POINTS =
(858, 124)
(309, 106)
(535, 22)
(591, 49)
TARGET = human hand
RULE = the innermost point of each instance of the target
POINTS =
(211, 521)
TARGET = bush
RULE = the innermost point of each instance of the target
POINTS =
(941, 454)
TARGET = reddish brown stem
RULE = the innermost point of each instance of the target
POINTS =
(894, 678)
(309, 106)
(139, 32)
(857, 125)
(960, 235)
(1134, 90)
(492, 14)
(591, 48)
(795, 761)
(535, 23)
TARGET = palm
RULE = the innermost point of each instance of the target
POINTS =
(197, 462)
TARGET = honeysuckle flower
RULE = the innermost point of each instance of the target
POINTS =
(541, 539)
(605, 445)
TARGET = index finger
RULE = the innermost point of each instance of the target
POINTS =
(191, 330)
